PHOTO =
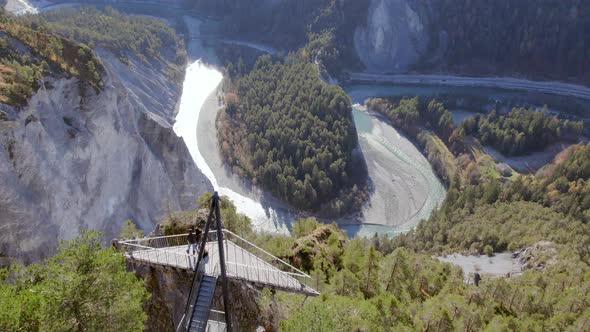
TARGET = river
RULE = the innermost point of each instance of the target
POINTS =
(403, 186)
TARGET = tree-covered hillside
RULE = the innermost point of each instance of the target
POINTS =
(544, 39)
(372, 290)
(484, 208)
(563, 186)
(61, 41)
(383, 285)
(28, 53)
(380, 284)
(146, 37)
(294, 135)
(540, 39)
(326, 27)
(521, 131)
(451, 149)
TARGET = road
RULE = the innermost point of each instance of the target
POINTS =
(557, 88)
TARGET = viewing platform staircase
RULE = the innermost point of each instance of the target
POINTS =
(222, 256)
(202, 305)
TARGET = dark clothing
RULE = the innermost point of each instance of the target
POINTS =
(191, 238)
(476, 279)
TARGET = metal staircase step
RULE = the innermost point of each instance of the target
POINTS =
(202, 304)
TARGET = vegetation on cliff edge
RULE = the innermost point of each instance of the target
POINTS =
(27, 54)
(146, 37)
(84, 287)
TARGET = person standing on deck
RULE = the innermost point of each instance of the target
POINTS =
(198, 234)
(192, 242)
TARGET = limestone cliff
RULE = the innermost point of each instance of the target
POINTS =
(75, 157)
(395, 36)
(169, 290)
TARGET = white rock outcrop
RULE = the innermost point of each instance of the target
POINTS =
(395, 37)
(73, 158)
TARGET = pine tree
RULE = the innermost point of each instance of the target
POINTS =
(370, 273)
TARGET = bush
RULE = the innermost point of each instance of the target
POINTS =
(304, 226)
(84, 287)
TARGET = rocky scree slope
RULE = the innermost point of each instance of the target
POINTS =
(76, 157)
(395, 35)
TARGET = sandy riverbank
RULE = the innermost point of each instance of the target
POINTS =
(404, 186)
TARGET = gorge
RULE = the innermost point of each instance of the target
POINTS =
(396, 202)
(114, 126)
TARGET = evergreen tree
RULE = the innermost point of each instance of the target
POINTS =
(82, 288)
(369, 274)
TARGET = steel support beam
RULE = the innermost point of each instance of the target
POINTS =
(224, 283)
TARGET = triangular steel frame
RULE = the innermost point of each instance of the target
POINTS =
(214, 212)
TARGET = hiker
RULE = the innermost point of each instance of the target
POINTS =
(203, 264)
(198, 234)
(476, 279)
(192, 241)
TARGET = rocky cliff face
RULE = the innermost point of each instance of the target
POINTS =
(169, 291)
(76, 158)
(170, 288)
(395, 36)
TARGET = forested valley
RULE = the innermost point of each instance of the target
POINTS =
(367, 284)
(546, 43)
(293, 135)
(373, 285)
(381, 284)
(485, 212)
(387, 285)
(450, 148)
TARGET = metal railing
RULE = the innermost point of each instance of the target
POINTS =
(216, 322)
(244, 262)
(244, 259)
(158, 250)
